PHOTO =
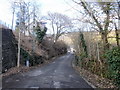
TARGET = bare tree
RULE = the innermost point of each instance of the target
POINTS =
(29, 16)
(99, 17)
(116, 18)
(26, 18)
(60, 23)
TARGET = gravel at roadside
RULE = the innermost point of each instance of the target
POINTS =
(15, 70)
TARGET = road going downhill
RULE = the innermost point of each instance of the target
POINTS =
(58, 74)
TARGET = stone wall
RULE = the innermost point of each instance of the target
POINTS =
(9, 49)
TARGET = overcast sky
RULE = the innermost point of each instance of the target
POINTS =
(5, 13)
(61, 6)
(45, 7)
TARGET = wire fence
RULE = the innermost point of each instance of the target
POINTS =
(5, 25)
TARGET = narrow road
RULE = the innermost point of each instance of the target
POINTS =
(58, 74)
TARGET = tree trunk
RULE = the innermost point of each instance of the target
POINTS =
(55, 39)
(105, 41)
(117, 35)
(83, 43)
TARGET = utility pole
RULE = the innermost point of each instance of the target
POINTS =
(18, 61)
(33, 43)
(13, 16)
(28, 15)
(20, 29)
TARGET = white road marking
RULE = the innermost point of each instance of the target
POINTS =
(34, 87)
(6, 81)
(36, 73)
(55, 71)
(17, 80)
(53, 62)
(70, 76)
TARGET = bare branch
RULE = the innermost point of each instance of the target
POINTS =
(60, 22)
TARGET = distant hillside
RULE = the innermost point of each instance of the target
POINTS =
(46, 49)
(72, 39)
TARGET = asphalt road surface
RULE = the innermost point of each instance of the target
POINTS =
(58, 74)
